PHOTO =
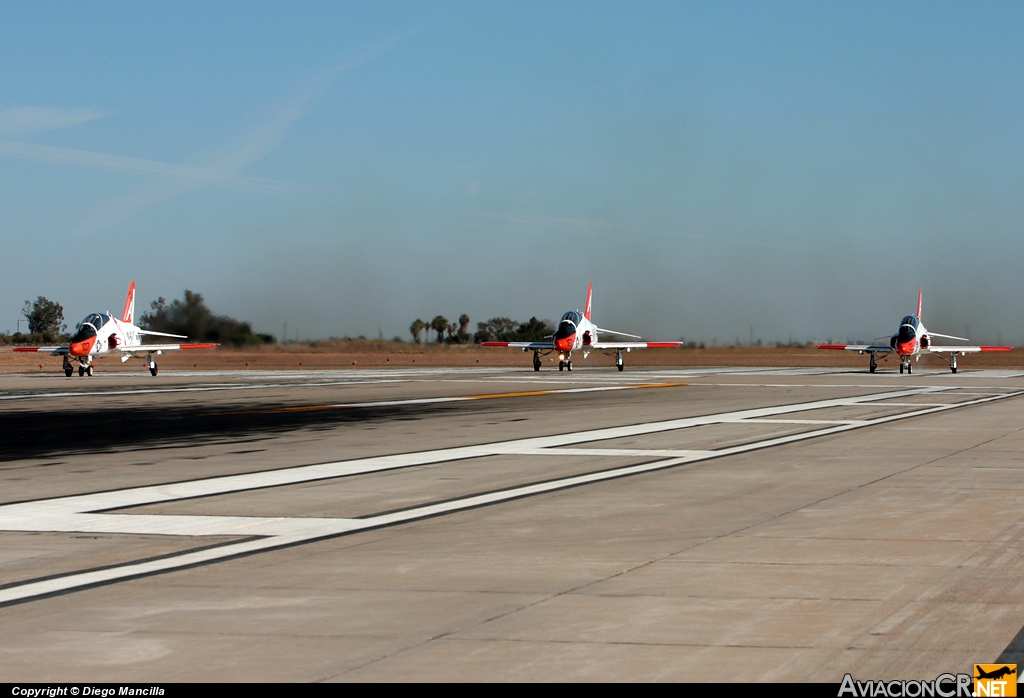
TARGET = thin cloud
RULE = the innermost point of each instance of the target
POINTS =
(21, 121)
(155, 168)
(220, 170)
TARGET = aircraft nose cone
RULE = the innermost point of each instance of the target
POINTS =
(82, 348)
(906, 347)
(565, 343)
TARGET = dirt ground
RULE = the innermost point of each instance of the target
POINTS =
(358, 354)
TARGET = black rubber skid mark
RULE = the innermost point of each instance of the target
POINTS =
(33, 434)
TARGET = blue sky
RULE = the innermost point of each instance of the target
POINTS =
(798, 168)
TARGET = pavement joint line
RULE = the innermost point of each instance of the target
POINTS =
(457, 398)
(79, 513)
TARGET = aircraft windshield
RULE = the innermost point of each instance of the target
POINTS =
(572, 316)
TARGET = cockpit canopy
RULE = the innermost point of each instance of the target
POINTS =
(908, 328)
(90, 326)
(567, 325)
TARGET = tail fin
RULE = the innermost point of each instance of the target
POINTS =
(129, 305)
(590, 293)
(920, 292)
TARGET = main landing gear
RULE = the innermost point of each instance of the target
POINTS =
(952, 362)
(152, 365)
(536, 360)
(872, 364)
(68, 368)
(618, 359)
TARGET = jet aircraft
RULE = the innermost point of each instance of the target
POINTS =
(102, 333)
(911, 341)
(577, 332)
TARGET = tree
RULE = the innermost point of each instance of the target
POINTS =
(502, 329)
(191, 317)
(415, 328)
(45, 317)
(439, 324)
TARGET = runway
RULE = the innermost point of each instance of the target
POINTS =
(501, 524)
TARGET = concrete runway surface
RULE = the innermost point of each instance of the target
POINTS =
(505, 525)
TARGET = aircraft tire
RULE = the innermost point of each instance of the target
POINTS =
(81, 371)
(953, 369)
(568, 365)
(620, 366)
(88, 371)
(152, 370)
(901, 368)
(871, 368)
(561, 365)
(68, 371)
(536, 367)
(910, 369)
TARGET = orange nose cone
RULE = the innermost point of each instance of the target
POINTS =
(565, 343)
(906, 347)
(82, 348)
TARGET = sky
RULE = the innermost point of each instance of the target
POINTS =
(719, 170)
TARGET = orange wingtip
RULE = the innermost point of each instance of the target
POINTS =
(832, 346)
(995, 348)
(198, 346)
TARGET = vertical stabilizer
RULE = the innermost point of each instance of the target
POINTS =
(920, 292)
(129, 305)
(590, 293)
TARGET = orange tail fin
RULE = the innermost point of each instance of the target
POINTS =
(590, 294)
(129, 305)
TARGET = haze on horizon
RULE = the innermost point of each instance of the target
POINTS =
(794, 168)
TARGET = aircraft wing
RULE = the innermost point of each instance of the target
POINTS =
(53, 351)
(881, 348)
(164, 347)
(965, 350)
(634, 345)
(520, 345)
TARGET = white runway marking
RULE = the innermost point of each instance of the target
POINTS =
(94, 513)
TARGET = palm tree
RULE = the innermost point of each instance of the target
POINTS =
(439, 324)
(415, 328)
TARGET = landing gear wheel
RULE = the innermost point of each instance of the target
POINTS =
(88, 371)
(618, 360)
(901, 368)
(910, 369)
(68, 371)
(872, 368)
(621, 367)
(568, 365)
(152, 370)
(536, 361)
(561, 365)
(81, 371)
(953, 369)
(952, 363)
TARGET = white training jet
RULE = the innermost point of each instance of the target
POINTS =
(911, 341)
(101, 333)
(576, 332)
